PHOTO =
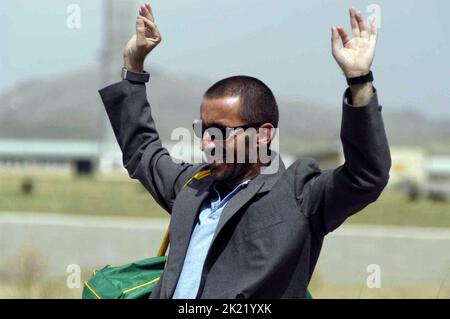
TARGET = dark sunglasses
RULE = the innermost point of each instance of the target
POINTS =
(217, 131)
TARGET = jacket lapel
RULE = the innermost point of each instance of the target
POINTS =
(184, 215)
(262, 183)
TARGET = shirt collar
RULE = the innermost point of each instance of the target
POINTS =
(234, 191)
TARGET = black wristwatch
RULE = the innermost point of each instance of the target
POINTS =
(360, 79)
(135, 76)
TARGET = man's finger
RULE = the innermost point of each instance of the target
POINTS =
(361, 24)
(144, 12)
(140, 31)
(334, 40)
(150, 11)
(373, 33)
(344, 36)
(152, 26)
(355, 27)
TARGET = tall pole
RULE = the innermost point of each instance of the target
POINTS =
(118, 26)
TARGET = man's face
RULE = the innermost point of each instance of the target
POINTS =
(224, 112)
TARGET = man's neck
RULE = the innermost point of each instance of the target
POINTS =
(225, 187)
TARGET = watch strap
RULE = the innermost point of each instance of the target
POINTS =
(141, 77)
(360, 79)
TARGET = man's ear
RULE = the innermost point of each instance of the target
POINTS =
(266, 133)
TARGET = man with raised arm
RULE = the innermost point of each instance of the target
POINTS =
(237, 229)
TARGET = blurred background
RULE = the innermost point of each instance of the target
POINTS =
(68, 207)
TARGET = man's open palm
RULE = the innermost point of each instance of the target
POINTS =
(356, 55)
(147, 37)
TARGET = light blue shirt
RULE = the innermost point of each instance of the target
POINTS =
(208, 219)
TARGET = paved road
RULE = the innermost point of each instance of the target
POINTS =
(404, 254)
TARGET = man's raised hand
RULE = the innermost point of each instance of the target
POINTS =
(147, 37)
(356, 54)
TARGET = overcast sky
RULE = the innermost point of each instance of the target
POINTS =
(284, 43)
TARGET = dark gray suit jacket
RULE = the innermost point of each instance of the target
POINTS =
(270, 234)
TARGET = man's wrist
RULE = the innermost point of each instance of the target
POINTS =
(133, 66)
(353, 74)
(361, 94)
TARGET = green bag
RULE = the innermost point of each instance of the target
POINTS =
(131, 281)
(134, 280)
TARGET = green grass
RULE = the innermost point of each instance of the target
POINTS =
(62, 193)
(394, 208)
(122, 196)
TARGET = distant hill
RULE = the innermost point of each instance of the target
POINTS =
(69, 107)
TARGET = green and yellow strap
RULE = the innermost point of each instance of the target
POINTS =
(165, 242)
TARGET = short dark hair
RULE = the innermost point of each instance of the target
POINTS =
(258, 104)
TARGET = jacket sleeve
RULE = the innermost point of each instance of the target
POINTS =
(334, 195)
(143, 155)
